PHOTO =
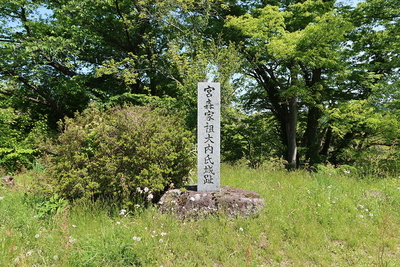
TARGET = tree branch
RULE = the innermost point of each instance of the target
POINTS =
(49, 101)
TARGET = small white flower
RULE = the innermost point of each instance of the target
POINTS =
(1, 198)
(29, 253)
(163, 234)
(160, 240)
(37, 236)
(137, 238)
(150, 197)
(74, 226)
(139, 190)
(137, 206)
(118, 223)
(122, 212)
(329, 186)
(146, 189)
(345, 171)
(55, 257)
(241, 229)
(371, 215)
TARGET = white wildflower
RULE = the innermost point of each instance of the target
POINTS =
(137, 206)
(122, 212)
(163, 234)
(37, 236)
(150, 197)
(74, 226)
(160, 240)
(139, 190)
(146, 189)
(241, 229)
(137, 238)
(55, 257)
(29, 253)
(118, 223)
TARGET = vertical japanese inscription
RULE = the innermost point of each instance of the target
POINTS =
(208, 136)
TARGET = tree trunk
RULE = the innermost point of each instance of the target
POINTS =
(312, 138)
(327, 143)
(291, 126)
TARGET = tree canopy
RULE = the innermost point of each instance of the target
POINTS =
(312, 81)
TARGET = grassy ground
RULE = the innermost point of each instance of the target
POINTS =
(324, 219)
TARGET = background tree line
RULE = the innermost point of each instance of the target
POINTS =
(311, 81)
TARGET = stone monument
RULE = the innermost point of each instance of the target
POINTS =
(208, 136)
(208, 197)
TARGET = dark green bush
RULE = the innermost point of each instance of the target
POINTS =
(112, 152)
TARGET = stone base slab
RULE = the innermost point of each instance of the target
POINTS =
(228, 201)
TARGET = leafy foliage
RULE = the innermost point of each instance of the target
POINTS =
(111, 152)
(305, 62)
(17, 134)
(251, 138)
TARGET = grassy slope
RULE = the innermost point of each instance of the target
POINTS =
(328, 219)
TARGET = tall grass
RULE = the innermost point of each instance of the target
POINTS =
(326, 219)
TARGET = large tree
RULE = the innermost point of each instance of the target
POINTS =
(365, 124)
(59, 55)
(291, 49)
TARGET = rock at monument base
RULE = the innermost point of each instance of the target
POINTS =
(229, 201)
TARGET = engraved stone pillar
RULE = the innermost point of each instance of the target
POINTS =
(208, 136)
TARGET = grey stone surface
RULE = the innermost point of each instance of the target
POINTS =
(208, 136)
(228, 201)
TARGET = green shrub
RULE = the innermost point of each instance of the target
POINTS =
(110, 153)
